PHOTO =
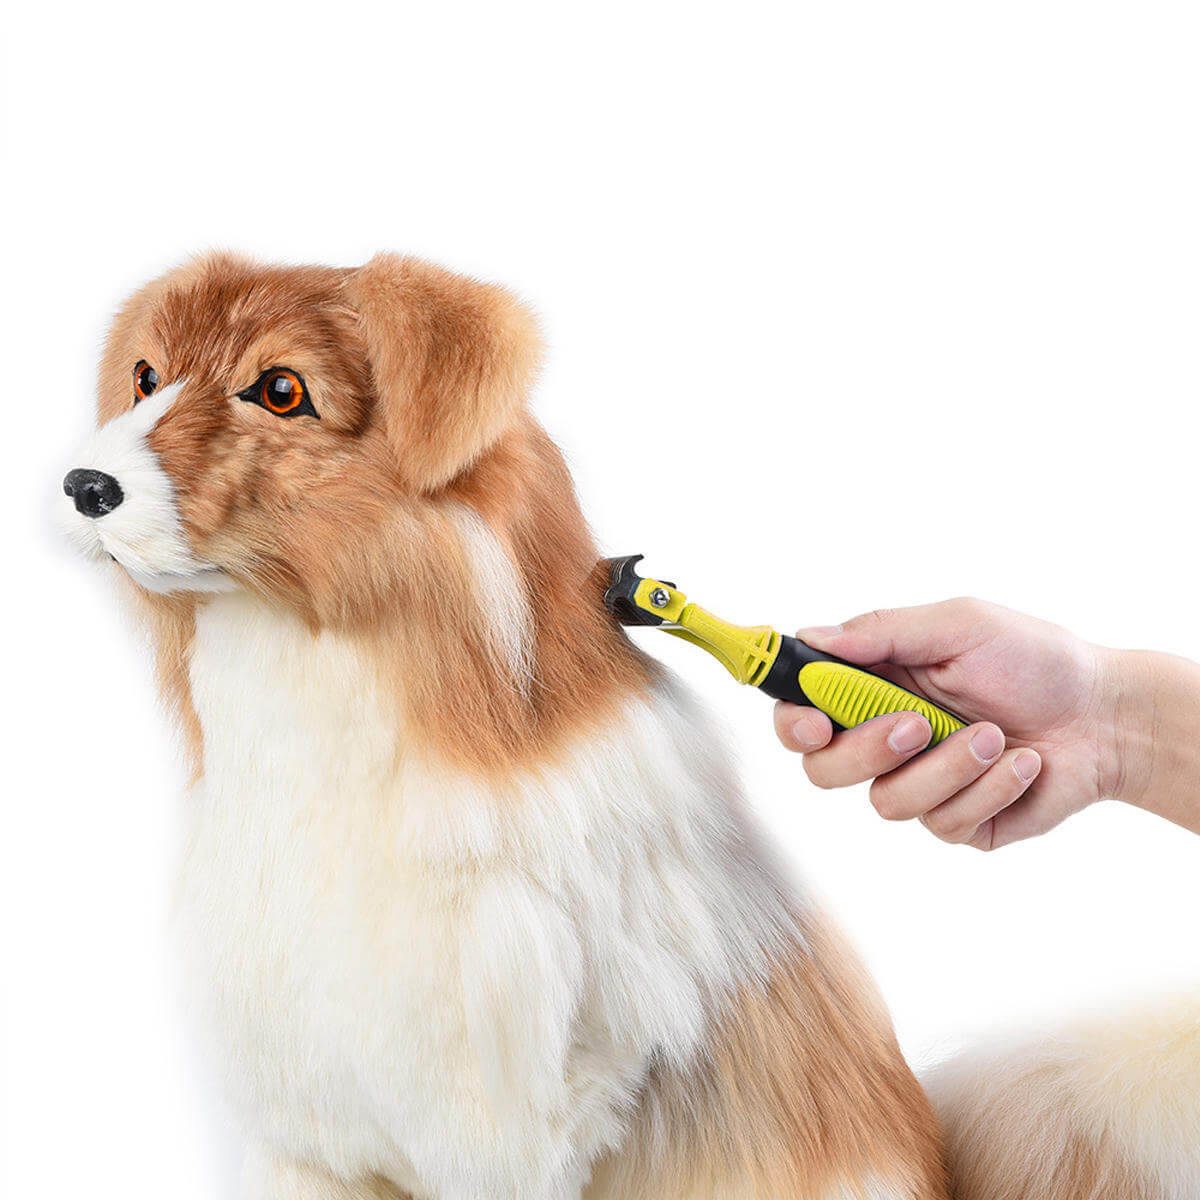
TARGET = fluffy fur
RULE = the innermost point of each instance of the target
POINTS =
(146, 533)
(472, 906)
(1104, 1110)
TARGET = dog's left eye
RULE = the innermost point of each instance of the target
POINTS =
(281, 391)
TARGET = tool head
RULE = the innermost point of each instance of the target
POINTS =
(623, 582)
(746, 653)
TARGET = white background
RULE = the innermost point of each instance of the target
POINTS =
(849, 305)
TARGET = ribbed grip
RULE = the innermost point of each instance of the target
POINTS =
(851, 696)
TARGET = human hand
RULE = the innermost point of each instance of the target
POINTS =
(1043, 744)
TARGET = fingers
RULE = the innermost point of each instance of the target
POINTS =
(1036, 813)
(870, 749)
(801, 728)
(970, 817)
(930, 781)
(960, 791)
(927, 633)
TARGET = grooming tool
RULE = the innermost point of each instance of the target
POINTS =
(783, 667)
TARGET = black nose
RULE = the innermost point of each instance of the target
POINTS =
(94, 492)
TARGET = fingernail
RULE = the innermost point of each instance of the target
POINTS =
(806, 734)
(1027, 766)
(819, 632)
(908, 734)
(987, 743)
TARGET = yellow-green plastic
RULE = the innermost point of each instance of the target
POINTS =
(746, 652)
(850, 697)
(845, 693)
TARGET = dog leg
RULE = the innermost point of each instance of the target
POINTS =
(267, 1178)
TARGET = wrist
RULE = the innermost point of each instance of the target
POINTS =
(1127, 687)
(1149, 755)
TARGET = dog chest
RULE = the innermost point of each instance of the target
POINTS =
(383, 951)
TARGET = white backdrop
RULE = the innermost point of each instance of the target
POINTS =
(849, 306)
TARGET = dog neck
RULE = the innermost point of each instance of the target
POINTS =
(488, 682)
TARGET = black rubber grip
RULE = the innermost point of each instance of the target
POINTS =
(783, 679)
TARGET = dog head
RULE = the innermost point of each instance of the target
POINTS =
(288, 429)
(353, 447)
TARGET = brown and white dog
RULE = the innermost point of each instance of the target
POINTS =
(474, 908)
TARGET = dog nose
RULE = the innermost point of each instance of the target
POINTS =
(94, 492)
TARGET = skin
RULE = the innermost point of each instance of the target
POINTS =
(1058, 724)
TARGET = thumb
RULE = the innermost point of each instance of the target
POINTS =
(918, 636)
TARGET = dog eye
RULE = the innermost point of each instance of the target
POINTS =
(145, 380)
(282, 392)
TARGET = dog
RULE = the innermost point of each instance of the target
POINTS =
(472, 906)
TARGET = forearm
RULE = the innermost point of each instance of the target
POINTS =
(1154, 756)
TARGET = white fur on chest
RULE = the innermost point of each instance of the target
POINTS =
(409, 972)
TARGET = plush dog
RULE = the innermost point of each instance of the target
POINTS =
(474, 908)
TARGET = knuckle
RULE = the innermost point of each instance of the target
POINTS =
(879, 616)
(816, 773)
(958, 834)
(970, 608)
(949, 829)
(864, 763)
(885, 802)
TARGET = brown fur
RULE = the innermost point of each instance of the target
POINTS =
(419, 379)
(324, 516)
(804, 1090)
(452, 360)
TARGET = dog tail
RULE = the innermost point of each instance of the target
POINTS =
(1102, 1110)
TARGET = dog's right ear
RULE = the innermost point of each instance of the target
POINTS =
(452, 358)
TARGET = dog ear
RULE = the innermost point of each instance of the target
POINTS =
(452, 358)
